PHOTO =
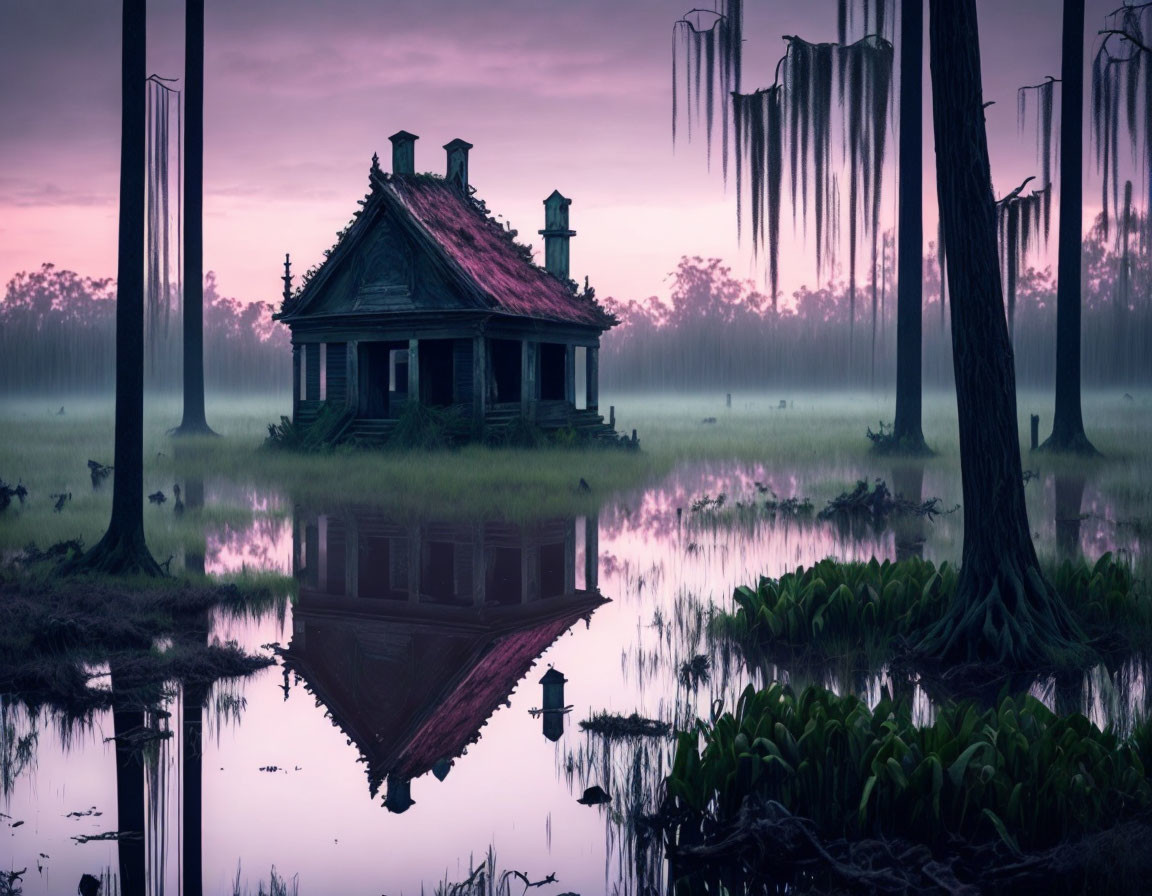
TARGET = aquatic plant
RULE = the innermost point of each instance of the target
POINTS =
(833, 607)
(615, 725)
(1017, 778)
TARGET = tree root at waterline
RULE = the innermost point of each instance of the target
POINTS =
(116, 554)
(1015, 619)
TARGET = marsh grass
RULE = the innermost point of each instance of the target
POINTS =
(58, 636)
(820, 437)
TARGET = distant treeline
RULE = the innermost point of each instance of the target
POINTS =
(57, 334)
(718, 332)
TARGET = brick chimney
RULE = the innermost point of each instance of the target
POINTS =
(457, 173)
(556, 235)
(403, 152)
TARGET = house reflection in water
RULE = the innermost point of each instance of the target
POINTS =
(412, 635)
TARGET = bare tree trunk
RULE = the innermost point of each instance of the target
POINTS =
(1003, 610)
(1067, 421)
(127, 721)
(194, 422)
(907, 430)
(123, 550)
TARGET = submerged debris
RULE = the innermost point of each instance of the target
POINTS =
(8, 492)
(876, 505)
(595, 796)
(61, 499)
(99, 472)
(58, 552)
(612, 725)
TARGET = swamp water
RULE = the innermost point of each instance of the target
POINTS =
(399, 736)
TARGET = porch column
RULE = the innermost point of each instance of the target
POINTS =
(528, 355)
(414, 370)
(592, 379)
(529, 569)
(479, 378)
(592, 552)
(295, 380)
(479, 571)
(570, 556)
(352, 375)
(352, 558)
(570, 374)
(415, 555)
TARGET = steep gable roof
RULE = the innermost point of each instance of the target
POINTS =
(475, 249)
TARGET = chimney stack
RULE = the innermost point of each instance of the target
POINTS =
(403, 152)
(457, 173)
(556, 235)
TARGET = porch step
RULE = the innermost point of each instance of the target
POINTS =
(370, 430)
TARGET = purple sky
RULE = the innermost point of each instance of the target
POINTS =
(555, 94)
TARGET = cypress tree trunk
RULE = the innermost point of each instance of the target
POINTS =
(122, 550)
(1067, 422)
(907, 432)
(1003, 609)
(194, 421)
(130, 814)
(192, 803)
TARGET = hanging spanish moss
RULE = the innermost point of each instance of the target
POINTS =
(164, 110)
(1046, 147)
(706, 54)
(797, 108)
(758, 119)
(1019, 220)
(1122, 76)
(865, 98)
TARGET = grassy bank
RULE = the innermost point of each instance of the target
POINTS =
(48, 452)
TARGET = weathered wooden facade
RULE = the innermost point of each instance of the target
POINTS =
(427, 298)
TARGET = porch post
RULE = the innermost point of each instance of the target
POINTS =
(415, 555)
(528, 355)
(592, 552)
(570, 556)
(479, 571)
(295, 380)
(352, 375)
(414, 370)
(592, 379)
(352, 558)
(570, 374)
(479, 379)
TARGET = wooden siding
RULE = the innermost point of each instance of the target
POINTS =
(462, 371)
(312, 371)
(337, 372)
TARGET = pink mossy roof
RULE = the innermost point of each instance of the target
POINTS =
(487, 255)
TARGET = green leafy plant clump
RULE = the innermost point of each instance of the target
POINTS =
(1017, 775)
(833, 607)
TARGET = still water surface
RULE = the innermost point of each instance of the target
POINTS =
(394, 741)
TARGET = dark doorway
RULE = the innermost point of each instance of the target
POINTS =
(436, 372)
(552, 570)
(383, 379)
(504, 579)
(552, 372)
(376, 571)
(505, 354)
(438, 571)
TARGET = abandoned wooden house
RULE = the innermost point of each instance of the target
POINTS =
(427, 298)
